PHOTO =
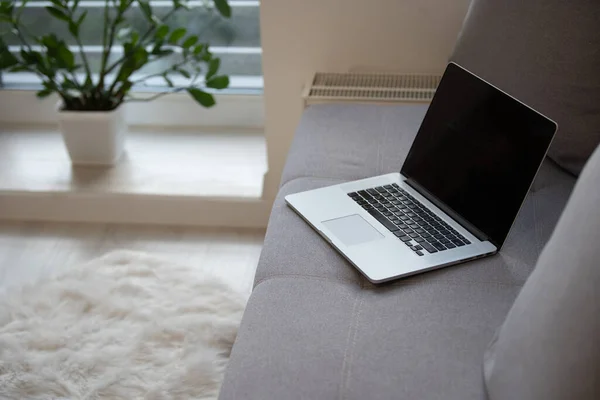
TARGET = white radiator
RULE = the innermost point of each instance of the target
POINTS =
(370, 88)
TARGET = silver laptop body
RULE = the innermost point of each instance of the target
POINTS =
(459, 191)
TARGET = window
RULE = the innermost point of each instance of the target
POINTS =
(236, 40)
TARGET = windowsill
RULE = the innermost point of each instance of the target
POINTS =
(167, 177)
(157, 162)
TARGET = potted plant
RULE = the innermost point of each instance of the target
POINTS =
(91, 100)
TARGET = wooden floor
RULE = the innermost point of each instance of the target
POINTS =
(29, 251)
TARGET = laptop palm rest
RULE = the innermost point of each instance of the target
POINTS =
(352, 230)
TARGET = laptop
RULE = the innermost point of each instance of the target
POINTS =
(457, 195)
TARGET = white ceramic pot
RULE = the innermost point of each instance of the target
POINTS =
(93, 137)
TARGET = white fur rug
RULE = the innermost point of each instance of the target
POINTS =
(126, 326)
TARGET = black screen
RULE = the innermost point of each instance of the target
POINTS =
(477, 152)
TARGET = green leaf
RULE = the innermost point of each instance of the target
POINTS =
(68, 84)
(66, 57)
(146, 8)
(7, 59)
(73, 28)
(189, 42)
(184, 73)
(213, 67)
(201, 97)
(162, 52)
(161, 32)
(176, 35)
(198, 49)
(44, 93)
(58, 13)
(223, 8)
(81, 18)
(218, 82)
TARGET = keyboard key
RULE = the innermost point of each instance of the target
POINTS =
(458, 243)
(402, 226)
(380, 189)
(408, 231)
(430, 248)
(426, 235)
(399, 233)
(413, 235)
(466, 241)
(404, 218)
(419, 253)
(367, 207)
(444, 241)
(410, 214)
(420, 240)
(353, 195)
(444, 232)
(450, 246)
(396, 202)
(440, 247)
(404, 238)
(383, 220)
(438, 236)
(419, 230)
(373, 192)
(395, 185)
(387, 213)
(418, 220)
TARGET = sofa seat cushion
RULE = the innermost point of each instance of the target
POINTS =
(306, 338)
(292, 247)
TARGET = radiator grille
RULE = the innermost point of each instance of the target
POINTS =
(344, 87)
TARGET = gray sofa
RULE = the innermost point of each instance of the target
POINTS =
(314, 328)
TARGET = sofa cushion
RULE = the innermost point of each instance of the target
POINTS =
(548, 347)
(305, 338)
(293, 248)
(546, 53)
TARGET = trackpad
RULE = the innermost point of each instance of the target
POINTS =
(352, 230)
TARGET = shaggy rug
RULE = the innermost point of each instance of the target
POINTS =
(125, 326)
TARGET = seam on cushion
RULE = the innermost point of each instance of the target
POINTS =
(309, 277)
(350, 344)
(371, 287)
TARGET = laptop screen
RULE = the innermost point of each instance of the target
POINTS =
(477, 153)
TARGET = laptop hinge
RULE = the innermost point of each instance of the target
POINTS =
(456, 217)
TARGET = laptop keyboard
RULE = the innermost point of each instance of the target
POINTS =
(408, 219)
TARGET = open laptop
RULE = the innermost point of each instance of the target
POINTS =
(460, 189)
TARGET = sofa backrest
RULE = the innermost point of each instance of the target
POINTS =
(548, 347)
(546, 53)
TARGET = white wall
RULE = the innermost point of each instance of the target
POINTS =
(300, 37)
